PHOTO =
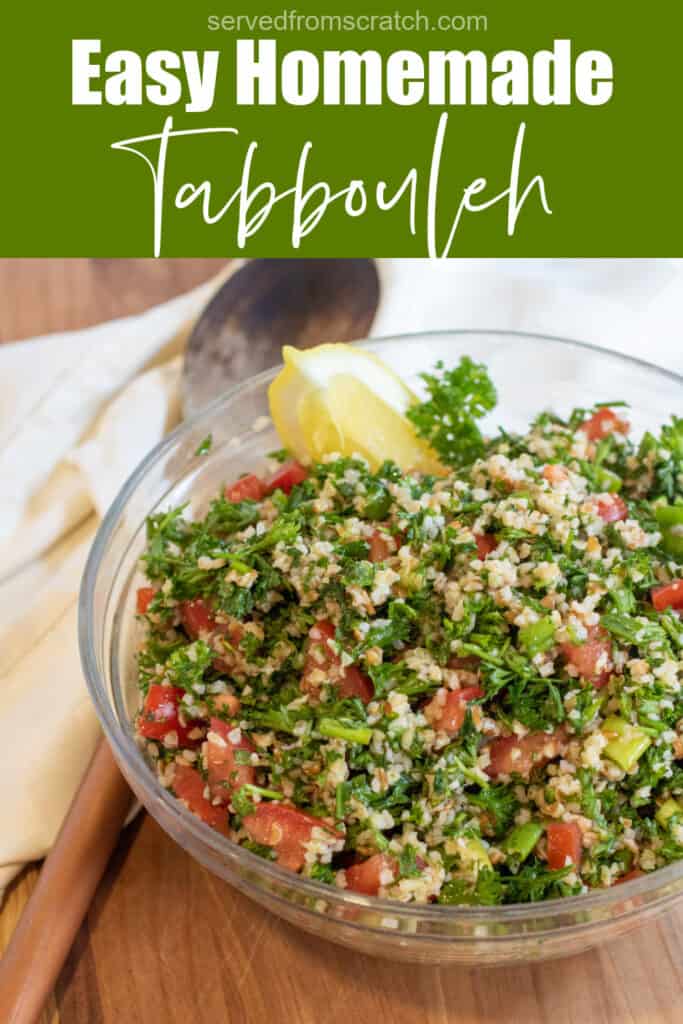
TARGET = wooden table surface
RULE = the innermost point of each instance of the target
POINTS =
(166, 942)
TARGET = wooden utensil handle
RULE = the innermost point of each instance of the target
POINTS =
(58, 904)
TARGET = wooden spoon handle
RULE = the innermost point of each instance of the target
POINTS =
(67, 883)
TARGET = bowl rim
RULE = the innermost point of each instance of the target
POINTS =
(128, 752)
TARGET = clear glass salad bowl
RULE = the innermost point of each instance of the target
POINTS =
(531, 373)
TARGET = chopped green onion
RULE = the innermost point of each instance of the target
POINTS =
(341, 795)
(607, 480)
(341, 731)
(377, 503)
(537, 636)
(471, 851)
(267, 794)
(243, 800)
(627, 743)
(667, 810)
(522, 840)
(670, 519)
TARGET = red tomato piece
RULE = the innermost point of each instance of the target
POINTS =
(449, 716)
(486, 543)
(189, 786)
(592, 659)
(564, 844)
(159, 716)
(520, 754)
(227, 702)
(199, 621)
(470, 663)
(380, 547)
(197, 617)
(319, 654)
(285, 830)
(224, 771)
(602, 423)
(365, 876)
(144, 598)
(669, 595)
(467, 669)
(286, 477)
(234, 631)
(611, 508)
(355, 683)
(320, 657)
(555, 474)
(247, 488)
(630, 876)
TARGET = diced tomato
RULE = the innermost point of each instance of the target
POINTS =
(592, 659)
(669, 595)
(602, 423)
(470, 663)
(224, 771)
(320, 657)
(399, 533)
(564, 844)
(555, 474)
(227, 702)
(630, 876)
(144, 598)
(319, 654)
(355, 683)
(189, 787)
(486, 543)
(380, 547)
(159, 716)
(285, 830)
(365, 876)
(611, 508)
(520, 754)
(234, 631)
(449, 716)
(286, 477)
(247, 488)
(197, 617)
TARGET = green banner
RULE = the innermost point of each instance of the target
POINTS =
(527, 129)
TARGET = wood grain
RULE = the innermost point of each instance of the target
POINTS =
(38, 296)
(50, 922)
(15, 901)
(166, 942)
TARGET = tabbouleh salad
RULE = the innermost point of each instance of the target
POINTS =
(457, 689)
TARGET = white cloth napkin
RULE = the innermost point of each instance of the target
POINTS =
(79, 410)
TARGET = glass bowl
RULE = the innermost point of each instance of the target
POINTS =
(531, 373)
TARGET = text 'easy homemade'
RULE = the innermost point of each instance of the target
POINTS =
(264, 75)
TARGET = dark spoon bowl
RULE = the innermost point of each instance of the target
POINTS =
(269, 303)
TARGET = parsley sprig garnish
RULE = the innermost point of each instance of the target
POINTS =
(447, 419)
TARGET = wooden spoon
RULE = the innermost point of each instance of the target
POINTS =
(264, 305)
(41, 941)
(270, 303)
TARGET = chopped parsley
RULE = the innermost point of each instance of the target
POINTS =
(447, 420)
(405, 685)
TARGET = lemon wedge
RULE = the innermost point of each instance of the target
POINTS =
(339, 398)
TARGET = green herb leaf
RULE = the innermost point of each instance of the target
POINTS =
(205, 447)
(457, 399)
